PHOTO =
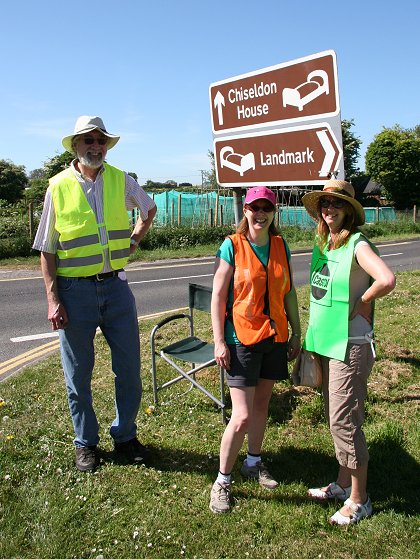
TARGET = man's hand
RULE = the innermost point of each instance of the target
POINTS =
(57, 315)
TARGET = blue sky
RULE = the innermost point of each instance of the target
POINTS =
(146, 67)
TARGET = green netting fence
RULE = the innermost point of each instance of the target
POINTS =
(210, 208)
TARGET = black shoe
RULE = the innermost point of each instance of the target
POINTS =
(86, 458)
(133, 451)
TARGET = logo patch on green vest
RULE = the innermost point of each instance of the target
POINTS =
(321, 281)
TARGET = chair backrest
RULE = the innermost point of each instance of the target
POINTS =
(200, 297)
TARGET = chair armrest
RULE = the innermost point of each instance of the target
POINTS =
(170, 318)
(162, 323)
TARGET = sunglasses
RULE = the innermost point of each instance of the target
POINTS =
(337, 204)
(90, 141)
(266, 208)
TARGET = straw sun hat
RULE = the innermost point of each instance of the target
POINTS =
(85, 124)
(338, 189)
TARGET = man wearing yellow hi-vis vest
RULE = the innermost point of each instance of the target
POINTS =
(85, 240)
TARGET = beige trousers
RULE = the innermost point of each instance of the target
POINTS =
(344, 386)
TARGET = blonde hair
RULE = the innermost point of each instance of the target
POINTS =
(347, 228)
(243, 227)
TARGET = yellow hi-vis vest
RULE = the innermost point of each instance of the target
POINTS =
(80, 252)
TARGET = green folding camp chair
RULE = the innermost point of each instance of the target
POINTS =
(193, 350)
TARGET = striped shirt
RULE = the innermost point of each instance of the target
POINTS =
(46, 238)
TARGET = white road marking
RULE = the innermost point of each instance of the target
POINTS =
(34, 337)
(170, 279)
(395, 254)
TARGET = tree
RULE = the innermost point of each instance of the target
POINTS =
(209, 177)
(13, 181)
(37, 174)
(351, 149)
(36, 190)
(38, 182)
(57, 163)
(393, 160)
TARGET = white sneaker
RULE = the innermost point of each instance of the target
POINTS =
(220, 497)
(333, 491)
(358, 512)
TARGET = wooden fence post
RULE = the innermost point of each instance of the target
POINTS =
(179, 210)
(31, 221)
(415, 213)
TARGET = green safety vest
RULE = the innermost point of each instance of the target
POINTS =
(328, 328)
(80, 252)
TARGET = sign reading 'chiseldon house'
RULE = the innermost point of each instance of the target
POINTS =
(279, 125)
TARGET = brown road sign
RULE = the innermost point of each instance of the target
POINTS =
(302, 90)
(287, 156)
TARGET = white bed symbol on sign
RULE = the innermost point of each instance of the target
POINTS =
(235, 161)
(316, 85)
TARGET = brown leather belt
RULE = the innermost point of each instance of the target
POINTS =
(101, 277)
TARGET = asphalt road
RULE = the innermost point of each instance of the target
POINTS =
(158, 287)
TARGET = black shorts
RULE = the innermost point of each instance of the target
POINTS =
(266, 359)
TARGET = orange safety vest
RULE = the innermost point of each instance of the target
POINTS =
(258, 291)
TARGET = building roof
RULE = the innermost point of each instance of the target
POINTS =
(372, 187)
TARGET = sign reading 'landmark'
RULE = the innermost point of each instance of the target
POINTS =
(289, 156)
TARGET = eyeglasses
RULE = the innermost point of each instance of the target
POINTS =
(267, 208)
(337, 204)
(90, 141)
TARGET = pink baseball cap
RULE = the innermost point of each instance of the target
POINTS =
(260, 193)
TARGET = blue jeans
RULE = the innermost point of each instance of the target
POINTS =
(109, 305)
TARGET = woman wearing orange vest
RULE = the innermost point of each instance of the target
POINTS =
(253, 303)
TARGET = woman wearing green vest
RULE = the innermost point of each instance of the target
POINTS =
(253, 303)
(347, 275)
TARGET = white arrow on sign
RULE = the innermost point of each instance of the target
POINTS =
(330, 152)
(219, 101)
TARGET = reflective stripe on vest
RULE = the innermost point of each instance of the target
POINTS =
(251, 322)
(80, 252)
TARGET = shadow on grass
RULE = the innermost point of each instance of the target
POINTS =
(413, 361)
(394, 476)
(393, 473)
(283, 404)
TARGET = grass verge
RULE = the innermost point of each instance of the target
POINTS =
(49, 510)
(172, 242)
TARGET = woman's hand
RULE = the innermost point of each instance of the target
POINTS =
(293, 347)
(222, 355)
(362, 308)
